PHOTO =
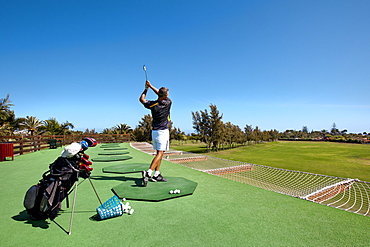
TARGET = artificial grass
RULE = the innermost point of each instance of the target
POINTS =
(109, 145)
(128, 167)
(111, 158)
(116, 148)
(133, 189)
(221, 212)
(113, 153)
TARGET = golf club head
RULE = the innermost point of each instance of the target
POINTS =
(146, 76)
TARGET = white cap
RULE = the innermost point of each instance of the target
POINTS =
(71, 150)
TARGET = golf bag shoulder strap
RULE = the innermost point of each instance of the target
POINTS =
(62, 166)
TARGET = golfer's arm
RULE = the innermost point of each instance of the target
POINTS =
(155, 90)
(142, 96)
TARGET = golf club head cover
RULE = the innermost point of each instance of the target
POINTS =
(84, 174)
(91, 142)
(86, 161)
(86, 167)
(84, 145)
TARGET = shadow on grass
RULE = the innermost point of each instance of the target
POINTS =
(97, 218)
(118, 178)
(138, 181)
(23, 216)
(43, 224)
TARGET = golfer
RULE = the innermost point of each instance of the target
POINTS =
(160, 110)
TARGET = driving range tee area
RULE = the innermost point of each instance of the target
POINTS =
(202, 210)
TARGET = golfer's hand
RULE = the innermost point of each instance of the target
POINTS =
(147, 84)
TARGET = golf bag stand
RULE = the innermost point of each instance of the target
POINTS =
(74, 202)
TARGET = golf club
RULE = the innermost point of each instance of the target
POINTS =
(146, 76)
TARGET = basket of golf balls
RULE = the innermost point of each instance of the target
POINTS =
(113, 208)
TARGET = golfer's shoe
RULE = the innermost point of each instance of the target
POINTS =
(145, 178)
(158, 178)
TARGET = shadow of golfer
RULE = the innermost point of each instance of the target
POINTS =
(118, 178)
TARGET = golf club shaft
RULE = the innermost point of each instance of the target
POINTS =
(146, 75)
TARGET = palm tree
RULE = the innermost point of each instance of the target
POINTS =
(31, 124)
(108, 131)
(5, 103)
(122, 129)
(5, 109)
(64, 128)
(53, 127)
(8, 121)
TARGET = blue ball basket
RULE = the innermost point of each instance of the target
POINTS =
(111, 208)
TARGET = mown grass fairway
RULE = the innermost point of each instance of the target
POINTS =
(328, 158)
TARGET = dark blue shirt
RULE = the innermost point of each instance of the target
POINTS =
(160, 112)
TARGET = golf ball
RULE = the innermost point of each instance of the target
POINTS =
(171, 191)
(131, 211)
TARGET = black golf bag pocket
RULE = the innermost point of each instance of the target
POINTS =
(30, 197)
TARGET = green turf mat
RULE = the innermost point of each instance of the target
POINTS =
(111, 158)
(109, 146)
(113, 153)
(132, 189)
(119, 148)
(126, 168)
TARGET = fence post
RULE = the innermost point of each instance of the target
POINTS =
(39, 143)
(21, 145)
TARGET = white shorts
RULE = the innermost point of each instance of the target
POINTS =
(161, 139)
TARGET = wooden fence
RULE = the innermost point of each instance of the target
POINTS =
(26, 144)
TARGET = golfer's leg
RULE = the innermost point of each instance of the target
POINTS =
(157, 160)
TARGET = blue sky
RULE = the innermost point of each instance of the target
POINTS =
(279, 64)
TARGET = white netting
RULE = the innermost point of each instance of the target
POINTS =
(348, 194)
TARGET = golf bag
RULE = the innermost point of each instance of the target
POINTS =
(44, 199)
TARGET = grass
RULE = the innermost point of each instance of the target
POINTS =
(221, 212)
(327, 158)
